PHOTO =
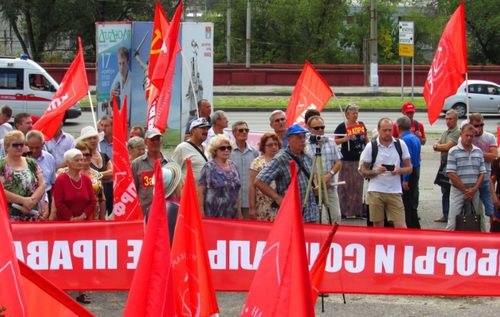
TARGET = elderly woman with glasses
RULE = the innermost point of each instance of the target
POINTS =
(261, 207)
(22, 180)
(352, 137)
(219, 184)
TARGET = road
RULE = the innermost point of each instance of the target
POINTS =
(112, 303)
(259, 121)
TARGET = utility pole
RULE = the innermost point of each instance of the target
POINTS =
(228, 35)
(373, 47)
(249, 31)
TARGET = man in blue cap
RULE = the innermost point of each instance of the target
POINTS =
(278, 170)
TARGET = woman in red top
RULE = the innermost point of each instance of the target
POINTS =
(73, 193)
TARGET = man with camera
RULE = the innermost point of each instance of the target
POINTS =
(278, 170)
(317, 145)
(380, 162)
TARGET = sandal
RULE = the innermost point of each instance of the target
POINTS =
(84, 299)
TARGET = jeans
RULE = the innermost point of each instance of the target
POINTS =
(445, 200)
(485, 196)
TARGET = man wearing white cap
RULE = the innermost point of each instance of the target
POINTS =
(143, 169)
(193, 148)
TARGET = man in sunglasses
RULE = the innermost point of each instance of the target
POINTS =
(278, 170)
(331, 161)
(488, 144)
(243, 155)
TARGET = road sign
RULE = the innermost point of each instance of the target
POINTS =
(406, 32)
(406, 50)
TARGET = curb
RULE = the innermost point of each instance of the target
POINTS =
(284, 94)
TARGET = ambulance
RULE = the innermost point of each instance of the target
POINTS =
(26, 87)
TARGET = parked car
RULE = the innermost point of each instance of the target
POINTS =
(484, 97)
(26, 87)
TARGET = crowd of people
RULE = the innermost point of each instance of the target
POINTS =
(342, 175)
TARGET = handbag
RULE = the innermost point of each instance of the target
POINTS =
(441, 176)
(468, 221)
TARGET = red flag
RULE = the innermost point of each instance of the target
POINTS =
(11, 289)
(151, 292)
(45, 299)
(310, 92)
(281, 285)
(74, 86)
(318, 269)
(163, 75)
(449, 65)
(195, 294)
(125, 200)
(160, 23)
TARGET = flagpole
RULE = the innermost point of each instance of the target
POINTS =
(343, 112)
(92, 110)
(467, 94)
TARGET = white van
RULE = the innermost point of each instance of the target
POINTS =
(26, 87)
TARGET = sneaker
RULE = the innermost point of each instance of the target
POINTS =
(441, 219)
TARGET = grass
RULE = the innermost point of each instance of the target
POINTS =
(222, 102)
(282, 102)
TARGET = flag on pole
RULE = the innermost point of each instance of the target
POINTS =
(12, 297)
(74, 86)
(311, 92)
(45, 299)
(125, 199)
(449, 66)
(161, 78)
(281, 286)
(195, 294)
(151, 292)
(318, 268)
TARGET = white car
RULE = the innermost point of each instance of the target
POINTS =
(484, 97)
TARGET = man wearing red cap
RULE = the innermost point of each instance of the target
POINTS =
(417, 128)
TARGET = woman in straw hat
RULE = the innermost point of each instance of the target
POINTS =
(99, 162)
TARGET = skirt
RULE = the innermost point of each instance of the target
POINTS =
(351, 194)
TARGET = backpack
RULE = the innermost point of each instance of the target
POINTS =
(397, 144)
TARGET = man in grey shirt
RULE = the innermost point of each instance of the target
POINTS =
(243, 155)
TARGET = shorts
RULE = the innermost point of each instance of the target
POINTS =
(390, 204)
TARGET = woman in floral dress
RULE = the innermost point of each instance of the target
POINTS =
(261, 206)
(219, 183)
(22, 180)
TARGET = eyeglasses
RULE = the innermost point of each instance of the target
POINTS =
(279, 120)
(243, 130)
(87, 154)
(479, 126)
(322, 127)
(17, 145)
(226, 148)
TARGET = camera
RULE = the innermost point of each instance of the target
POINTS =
(315, 139)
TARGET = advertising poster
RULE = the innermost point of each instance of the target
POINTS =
(140, 50)
(198, 66)
(113, 64)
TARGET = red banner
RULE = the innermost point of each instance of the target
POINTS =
(311, 92)
(103, 256)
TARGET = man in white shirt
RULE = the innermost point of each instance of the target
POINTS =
(384, 187)
(219, 122)
(5, 115)
(193, 148)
